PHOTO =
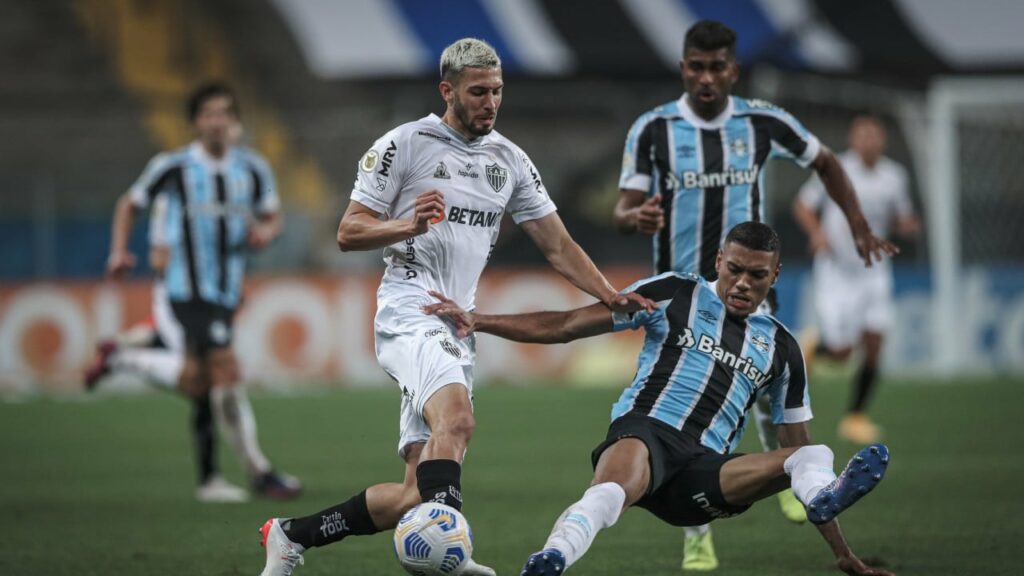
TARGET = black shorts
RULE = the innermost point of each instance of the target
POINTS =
(685, 488)
(206, 325)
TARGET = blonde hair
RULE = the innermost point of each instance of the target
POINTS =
(467, 53)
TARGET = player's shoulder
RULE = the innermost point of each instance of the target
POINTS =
(758, 107)
(663, 286)
(163, 161)
(668, 110)
(893, 167)
(251, 157)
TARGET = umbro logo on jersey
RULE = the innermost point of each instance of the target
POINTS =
(708, 316)
(442, 172)
(496, 176)
(687, 151)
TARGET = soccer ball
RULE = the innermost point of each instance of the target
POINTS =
(433, 539)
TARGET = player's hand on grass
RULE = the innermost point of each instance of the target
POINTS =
(631, 302)
(429, 210)
(448, 310)
(853, 565)
(119, 262)
(650, 217)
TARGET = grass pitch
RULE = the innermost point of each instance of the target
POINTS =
(103, 485)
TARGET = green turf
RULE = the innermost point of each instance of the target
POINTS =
(104, 485)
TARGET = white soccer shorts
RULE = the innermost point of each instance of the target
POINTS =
(423, 355)
(851, 303)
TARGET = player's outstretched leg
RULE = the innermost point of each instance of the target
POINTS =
(862, 473)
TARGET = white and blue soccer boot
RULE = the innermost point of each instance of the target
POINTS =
(862, 473)
(548, 562)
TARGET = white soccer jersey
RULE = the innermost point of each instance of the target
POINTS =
(883, 196)
(480, 180)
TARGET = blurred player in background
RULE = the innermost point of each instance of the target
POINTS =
(432, 193)
(707, 353)
(221, 202)
(854, 304)
(693, 169)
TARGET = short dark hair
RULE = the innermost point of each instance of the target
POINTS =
(209, 91)
(710, 35)
(868, 114)
(755, 236)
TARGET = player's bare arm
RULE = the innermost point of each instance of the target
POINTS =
(534, 327)
(120, 259)
(566, 256)
(634, 212)
(264, 229)
(839, 188)
(361, 228)
(794, 436)
(811, 225)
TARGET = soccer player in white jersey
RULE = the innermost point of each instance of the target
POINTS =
(432, 193)
(694, 168)
(670, 447)
(854, 304)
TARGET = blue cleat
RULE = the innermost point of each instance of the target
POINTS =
(548, 562)
(862, 473)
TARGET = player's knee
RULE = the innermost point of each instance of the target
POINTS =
(460, 424)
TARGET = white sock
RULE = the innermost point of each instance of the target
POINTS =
(232, 409)
(161, 367)
(766, 429)
(576, 528)
(810, 468)
(694, 531)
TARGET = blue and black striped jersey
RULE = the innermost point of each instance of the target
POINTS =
(701, 370)
(709, 173)
(206, 206)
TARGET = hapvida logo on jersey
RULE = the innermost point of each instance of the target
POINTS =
(707, 345)
(470, 217)
(693, 179)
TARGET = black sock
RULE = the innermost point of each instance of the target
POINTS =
(204, 435)
(331, 525)
(440, 481)
(867, 376)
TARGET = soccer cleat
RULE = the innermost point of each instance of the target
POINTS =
(277, 486)
(217, 490)
(699, 553)
(100, 366)
(792, 509)
(283, 555)
(857, 427)
(474, 569)
(862, 473)
(548, 562)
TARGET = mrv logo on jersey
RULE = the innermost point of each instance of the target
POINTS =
(707, 345)
(693, 179)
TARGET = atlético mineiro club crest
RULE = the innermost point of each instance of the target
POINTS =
(496, 176)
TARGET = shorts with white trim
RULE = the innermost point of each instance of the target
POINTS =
(423, 355)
